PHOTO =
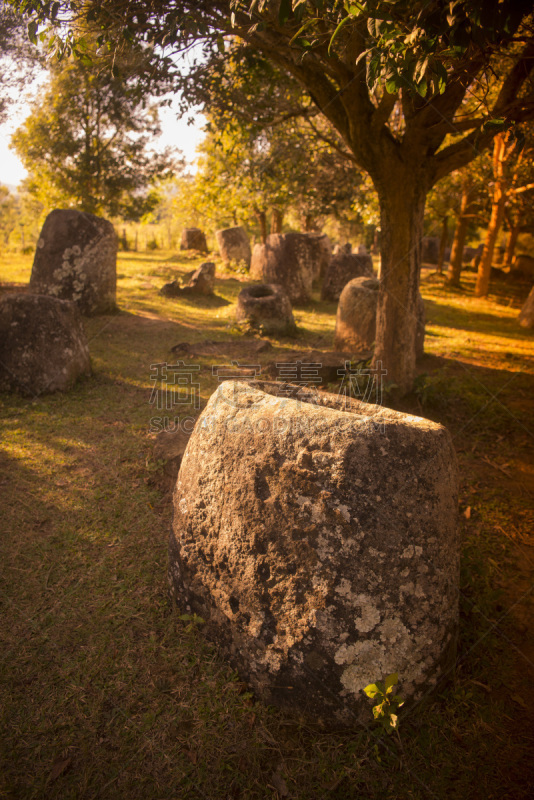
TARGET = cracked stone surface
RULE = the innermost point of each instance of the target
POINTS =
(43, 347)
(318, 538)
(76, 259)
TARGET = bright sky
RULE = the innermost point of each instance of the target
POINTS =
(175, 133)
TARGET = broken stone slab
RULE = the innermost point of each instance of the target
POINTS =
(266, 307)
(526, 315)
(43, 347)
(76, 259)
(318, 538)
(356, 317)
(234, 246)
(343, 267)
(200, 282)
(194, 239)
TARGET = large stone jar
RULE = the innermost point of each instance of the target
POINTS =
(43, 346)
(267, 307)
(76, 259)
(317, 537)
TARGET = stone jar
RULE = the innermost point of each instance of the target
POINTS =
(43, 347)
(317, 537)
(265, 306)
(76, 259)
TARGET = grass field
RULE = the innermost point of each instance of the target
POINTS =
(107, 693)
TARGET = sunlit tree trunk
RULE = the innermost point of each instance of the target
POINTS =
(443, 242)
(496, 219)
(510, 245)
(402, 205)
(460, 233)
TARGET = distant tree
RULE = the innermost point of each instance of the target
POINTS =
(512, 176)
(86, 142)
(9, 212)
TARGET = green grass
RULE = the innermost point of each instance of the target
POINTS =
(106, 693)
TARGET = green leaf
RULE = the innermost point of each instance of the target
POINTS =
(371, 690)
(32, 31)
(302, 28)
(421, 87)
(391, 680)
(336, 32)
(495, 125)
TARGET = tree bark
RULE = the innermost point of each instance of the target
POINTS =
(308, 223)
(510, 245)
(277, 218)
(402, 205)
(496, 219)
(443, 242)
(262, 222)
(460, 233)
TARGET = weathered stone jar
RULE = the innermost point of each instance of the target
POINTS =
(43, 347)
(317, 536)
(76, 259)
(266, 306)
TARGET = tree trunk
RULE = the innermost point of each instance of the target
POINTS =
(484, 268)
(443, 242)
(497, 215)
(308, 223)
(262, 222)
(510, 246)
(460, 233)
(402, 206)
(277, 217)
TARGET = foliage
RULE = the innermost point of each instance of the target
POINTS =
(386, 703)
(250, 168)
(19, 59)
(86, 142)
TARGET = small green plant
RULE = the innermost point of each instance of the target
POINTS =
(194, 621)
(387, 703)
